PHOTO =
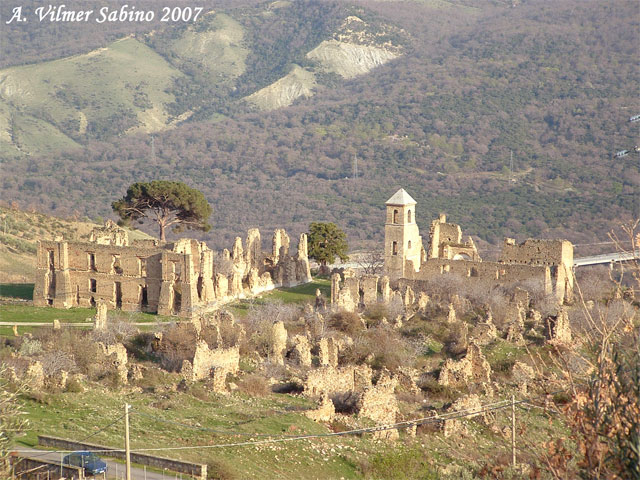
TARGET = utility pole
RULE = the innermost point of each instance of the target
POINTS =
(513, 430)
(126, 439)
(355, 167)
(511, 167)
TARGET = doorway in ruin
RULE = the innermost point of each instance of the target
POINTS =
(176, 303)
(118, 294)
(200, 287)
(51, 275)
(144, 301)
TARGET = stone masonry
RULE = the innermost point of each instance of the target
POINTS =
(177, 278)
(407, 264)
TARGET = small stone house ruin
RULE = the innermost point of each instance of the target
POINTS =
(179, 278)
(408, 265)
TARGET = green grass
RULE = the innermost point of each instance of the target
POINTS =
(301, 294)
(29, 313)
(25, 314)
(17, 290)
(156, 419)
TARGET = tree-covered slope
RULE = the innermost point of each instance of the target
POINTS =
(554, 83)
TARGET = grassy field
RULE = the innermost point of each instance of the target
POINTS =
(301, 294)
(204, 422)
(17, 290)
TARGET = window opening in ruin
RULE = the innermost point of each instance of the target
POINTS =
(409, 245)
(51, 283)
(78, 295)
(395, 248)
(117, 290)
(92, 301)
(361, 298)
(92, 261)
(52, 261)
(93, 285)
(408, 216)
(474, 272)
(115, 265)
(142, 266)
(49, 301)
(175, 267)
(177, 300)
(144, 300)
(200, 286)
(395, 216)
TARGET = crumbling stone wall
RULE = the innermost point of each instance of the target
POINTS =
(549, 261)
(558, 328)
(446, 242)
(325, 411)
(116, 355)
(223, 360)
(471, 405)
(331, 380)
(379, 403)
(474, 367)
(177, 278)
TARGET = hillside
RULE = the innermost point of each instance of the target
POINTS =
(19, 233)
(468, 84)
(151, 82)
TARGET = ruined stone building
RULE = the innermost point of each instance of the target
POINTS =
(407, 263)
(179, 278)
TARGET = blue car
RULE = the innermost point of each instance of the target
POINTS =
(88, 460)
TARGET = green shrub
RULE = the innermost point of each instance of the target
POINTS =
(399, 464)
(74, 386)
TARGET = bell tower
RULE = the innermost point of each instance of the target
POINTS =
(402, 240)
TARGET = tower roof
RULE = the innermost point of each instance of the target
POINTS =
(401, 197)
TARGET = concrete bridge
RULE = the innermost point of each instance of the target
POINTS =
(607, 258)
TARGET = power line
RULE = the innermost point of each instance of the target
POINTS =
(473, 411)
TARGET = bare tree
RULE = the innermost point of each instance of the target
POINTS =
(602, 377)
(12, 417)
(370, 262)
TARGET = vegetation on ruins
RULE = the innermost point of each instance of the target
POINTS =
(13, 420)
(326, 242)
(165, 203)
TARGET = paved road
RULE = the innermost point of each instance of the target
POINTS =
(114, 469)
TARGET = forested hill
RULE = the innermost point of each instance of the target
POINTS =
(451, 89)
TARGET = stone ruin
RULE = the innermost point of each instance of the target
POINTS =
(375, 402)
(332, 380)
(557, 328)
(408, 265)
(379, 404)
(179, 278)
(471, 406)
(116, 355)
(208, 362)
(485, 332)
(473, 368)
(325, 412)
